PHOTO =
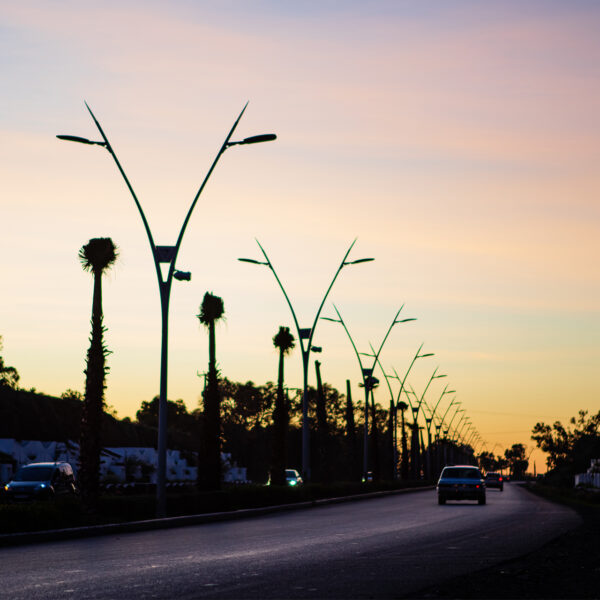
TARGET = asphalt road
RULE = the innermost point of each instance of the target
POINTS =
(381, 548)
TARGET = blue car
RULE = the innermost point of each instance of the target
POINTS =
(461, 482)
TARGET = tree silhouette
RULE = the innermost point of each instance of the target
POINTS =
(9, 376)
(96, 257)
(284, 342)
(517, 460)
(209, 467)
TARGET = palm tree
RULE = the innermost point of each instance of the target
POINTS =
(373, 383)
(402, 406)
(209, 467)
(323, 471)
(283, 340)
(96, 257)
(354, 470)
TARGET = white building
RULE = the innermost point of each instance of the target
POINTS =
(592, 477)
(116, 464)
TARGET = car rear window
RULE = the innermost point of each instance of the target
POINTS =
(460, 473)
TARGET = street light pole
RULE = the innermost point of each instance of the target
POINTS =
(438, 429)
(429, 421)
(369, 382)
(471, 437)
(403, 382)
(458, 410)
(165, 255)
(447, 431)
(453, 402)
(305, 334)
(394, 404)
(415, 451)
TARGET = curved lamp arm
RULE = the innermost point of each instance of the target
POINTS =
(352, 342)
(342, 264)
(287, 299)
(108, 146)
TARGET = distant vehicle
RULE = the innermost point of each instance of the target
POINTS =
(464, 482)
(368, 478)
(494, 480)
(292, 477)
(41, 481)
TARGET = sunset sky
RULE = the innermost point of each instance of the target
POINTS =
(459, 141)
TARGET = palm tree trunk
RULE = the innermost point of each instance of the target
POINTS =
(211, 478)
(354, 470)
(391, 450)
(374, 441)
(280, 425)
(323, 470)
(90, 441)
(404, 468)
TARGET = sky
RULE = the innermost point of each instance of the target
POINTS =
(456, 141)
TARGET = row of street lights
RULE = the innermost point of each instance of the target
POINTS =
(167, 255)
(305, 337)
(369, 382)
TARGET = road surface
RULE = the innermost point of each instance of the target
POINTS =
(380, 548)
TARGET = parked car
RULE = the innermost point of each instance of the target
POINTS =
(41, 481)
(494, 480)
(461, 482)
(292, 477)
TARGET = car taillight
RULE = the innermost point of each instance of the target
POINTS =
(500, 479)
(477, 486)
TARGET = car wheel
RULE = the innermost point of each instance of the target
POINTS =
(501, 488)
(481, 500)
(441, 500)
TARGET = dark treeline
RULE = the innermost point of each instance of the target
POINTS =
(29, 415)
(247, 430)
(570, 447)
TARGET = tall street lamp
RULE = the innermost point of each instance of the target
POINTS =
(472, 437)
(166, 255)
(438, 429)
(393, 417)
(464, 420)
(305, 348)
(446, 431)
(462, 432)
(453, 402)
(415, 451)
(429, 421)
(458, 410)
(402, 389)
(369, 382)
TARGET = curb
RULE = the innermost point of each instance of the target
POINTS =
(52, 535)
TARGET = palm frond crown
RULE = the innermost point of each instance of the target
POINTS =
(212, 309)
(98, 254)
(284, 340)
